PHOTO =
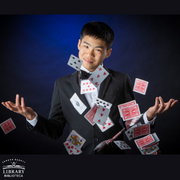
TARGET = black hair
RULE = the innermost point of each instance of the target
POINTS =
(99, 30)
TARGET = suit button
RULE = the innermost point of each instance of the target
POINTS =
(96, 139)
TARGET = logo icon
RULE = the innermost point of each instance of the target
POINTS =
(13, 168)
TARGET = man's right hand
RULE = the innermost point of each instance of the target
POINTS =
(27, 112)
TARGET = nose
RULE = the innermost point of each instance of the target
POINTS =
(90, 53)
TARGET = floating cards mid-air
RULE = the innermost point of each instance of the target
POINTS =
(98, 76)
(75, 62)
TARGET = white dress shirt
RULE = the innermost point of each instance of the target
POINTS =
(91, 98)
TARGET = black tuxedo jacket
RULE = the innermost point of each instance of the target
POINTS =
(116, 89)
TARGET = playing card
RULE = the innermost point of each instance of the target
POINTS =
(153, 144)
(75, 62)
(90, 114)
(106, 126)
(131, 122)
(150, 150)
(8, 125)
(101, 145)
(122, 145)
(140, 86)
(87, 87)
(144, 141)
(130, 103)
(98, 76)
(114, 137)
(77, 103)
(141, 130)
(130, 112)
(103, 103)
(71, 149)
(101, 115)
(75, 139)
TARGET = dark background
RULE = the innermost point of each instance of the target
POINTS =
(34, 51)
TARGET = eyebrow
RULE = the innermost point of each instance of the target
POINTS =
(91, 45)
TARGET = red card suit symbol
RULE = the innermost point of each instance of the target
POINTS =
(96, 83)
(67, 144)
(99, 120)
(104, 73)
(91, 79)
(100, 69)
(103, 109)
(71, 151)
(68, 147)
(104, 127)
(109, 124)
(101, 114)
(93, 88)
(71, 147)
(98, 76)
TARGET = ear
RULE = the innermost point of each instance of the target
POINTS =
(108, 52)
(79, 43)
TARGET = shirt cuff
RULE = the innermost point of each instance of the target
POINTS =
(34, 121)
(146, 120)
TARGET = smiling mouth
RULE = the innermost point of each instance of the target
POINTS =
(88, 61)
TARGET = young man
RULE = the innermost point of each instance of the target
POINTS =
(94, 47)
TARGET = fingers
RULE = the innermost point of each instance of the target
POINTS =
(17, 100)
(161, 105)
(23, 105)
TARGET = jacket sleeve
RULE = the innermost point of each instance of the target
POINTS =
(53, 126)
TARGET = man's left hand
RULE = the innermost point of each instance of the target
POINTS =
(159, 107)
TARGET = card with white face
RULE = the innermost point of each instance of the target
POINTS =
(129, 133)
(107, 125)
(149, 150)
(103, 103)
(71, 149)
(77, 103)
(140, 86)
(101, 115)
(75, 62)
(122, 145)
(98, 76)
(87, 87)
(75, 139)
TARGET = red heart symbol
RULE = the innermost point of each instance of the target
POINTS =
(71, 147)
(77, 151)
(93, 88)
(100, 69)
(99, 120)
(98, 76)
(96, 83)
(89, 86)
(68, 147)
(104, 73)
(109, 124)
(67, 144)
(91, 79)
(103, 109)
(71, 151)
(104, 127)
(101, 114)
(86, 89)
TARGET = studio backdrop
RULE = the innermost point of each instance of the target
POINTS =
(35, 49)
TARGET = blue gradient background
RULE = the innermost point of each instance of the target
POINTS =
(34, 50)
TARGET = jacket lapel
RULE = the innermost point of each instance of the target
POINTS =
(76, 88)
(104, 85)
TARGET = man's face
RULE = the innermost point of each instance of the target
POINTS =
(92, 52)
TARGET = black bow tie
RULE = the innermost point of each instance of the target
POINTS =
(84, 75)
